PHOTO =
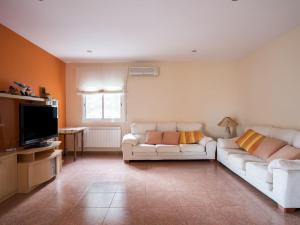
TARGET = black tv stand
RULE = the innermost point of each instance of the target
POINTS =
(38, 145)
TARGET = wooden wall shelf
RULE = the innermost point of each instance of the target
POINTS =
(4, 95)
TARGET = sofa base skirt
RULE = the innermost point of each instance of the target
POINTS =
(166, 156)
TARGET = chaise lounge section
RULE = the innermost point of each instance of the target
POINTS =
(279, 179)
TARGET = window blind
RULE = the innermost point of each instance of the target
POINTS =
(101, 79)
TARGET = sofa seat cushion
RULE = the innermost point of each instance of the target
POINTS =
(144, 148)
(194, 153)
(259, 171)
(181, 154)
(226, 152)
(192, 148)
(239, 160)
(167, 148)
(166, 154)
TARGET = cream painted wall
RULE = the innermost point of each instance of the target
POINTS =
(184, 91)
(262, 89)
(270, 83)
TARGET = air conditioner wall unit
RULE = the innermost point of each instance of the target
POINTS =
(143, 71)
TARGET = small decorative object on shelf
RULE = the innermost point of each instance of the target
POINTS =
(25, 90)
(43, 93)
(51, 101)
(12, 90)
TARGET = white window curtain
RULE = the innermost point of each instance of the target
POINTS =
(101, 79)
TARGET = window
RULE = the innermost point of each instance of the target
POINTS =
(103, 106)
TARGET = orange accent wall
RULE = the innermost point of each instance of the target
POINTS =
(21, 60)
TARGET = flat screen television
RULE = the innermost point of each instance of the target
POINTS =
(38, 123)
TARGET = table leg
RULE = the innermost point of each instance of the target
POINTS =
(74, 135)
(82, 143)
(64, 140)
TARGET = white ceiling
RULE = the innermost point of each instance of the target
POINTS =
(149, 29)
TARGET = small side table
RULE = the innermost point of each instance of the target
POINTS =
(72, 131)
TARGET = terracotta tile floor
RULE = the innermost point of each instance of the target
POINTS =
(101, 189)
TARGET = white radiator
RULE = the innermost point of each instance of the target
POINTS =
(103, 137)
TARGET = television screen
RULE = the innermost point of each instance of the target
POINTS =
(37, 123)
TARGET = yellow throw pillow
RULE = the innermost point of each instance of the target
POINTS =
(190, 137)
(250, 140)
(182, 139)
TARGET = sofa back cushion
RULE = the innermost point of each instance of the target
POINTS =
(189, 126)
(291, 136)
(287, 152)
(268, 147)
(167, 126)
(170, 138)
(153, 137)
(264, 130)
(142, 128)
(296, 140)
(250, 140)
(283, 134)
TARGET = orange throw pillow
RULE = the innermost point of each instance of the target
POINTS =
(287, 152)
(268, 147)
(153, 137)
(250, 140)
(170, 138)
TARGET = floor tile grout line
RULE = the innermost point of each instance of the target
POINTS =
(112, 200)
(107, 209)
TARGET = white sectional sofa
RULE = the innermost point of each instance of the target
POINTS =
(134, 147)
(279, 180)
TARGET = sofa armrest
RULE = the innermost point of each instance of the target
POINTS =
(228, 143)
(286, 182)
(210, 146)
(283, 164)
(129, 139)
(210, 149)
(205, 140)
(127, 151)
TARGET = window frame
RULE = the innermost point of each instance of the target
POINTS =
(122, 109)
